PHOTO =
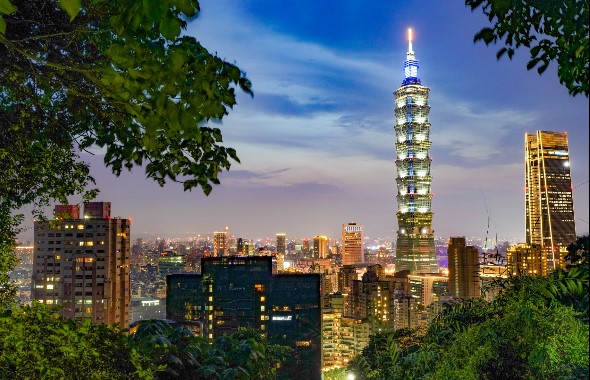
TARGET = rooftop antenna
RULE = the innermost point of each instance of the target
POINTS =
(410, 40)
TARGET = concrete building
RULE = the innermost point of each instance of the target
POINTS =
(549, 205)
(428, 287)
(83, 264)
(352, 243)
(220, 246)
(526, 259)
(343, 337)
(464, 268)
(320, 247)
(406, 312)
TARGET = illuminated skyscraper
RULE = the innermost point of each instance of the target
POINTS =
(281, 245)
(220, 243)
(352, 243)
(320, 247)
(83, 264)
(548, 200)
(415, 237)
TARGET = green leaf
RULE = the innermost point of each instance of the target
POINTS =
(2, 25)
(170, 27)
(6, 7)
(72, 7)
(486, 34)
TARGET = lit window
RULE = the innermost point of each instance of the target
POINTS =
(262, 298)
(262, 308)
(50, 286)
(210, 298)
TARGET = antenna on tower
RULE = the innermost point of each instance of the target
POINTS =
(410, 40)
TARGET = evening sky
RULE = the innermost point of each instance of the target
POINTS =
(316, 141)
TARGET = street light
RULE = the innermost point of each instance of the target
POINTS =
(350, 376)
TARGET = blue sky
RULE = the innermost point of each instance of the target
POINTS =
(317, 141)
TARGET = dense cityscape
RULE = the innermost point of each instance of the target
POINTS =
(242, 293)
(324, 297)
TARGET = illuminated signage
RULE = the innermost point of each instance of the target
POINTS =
(282, 317)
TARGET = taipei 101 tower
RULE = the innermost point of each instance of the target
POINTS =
(415, 237)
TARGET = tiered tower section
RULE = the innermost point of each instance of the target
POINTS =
(415, 237)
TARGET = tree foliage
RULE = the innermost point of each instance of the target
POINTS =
(114, 74)
(551, 30)
(242, 355)
(39, 344)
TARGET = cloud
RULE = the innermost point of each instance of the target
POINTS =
(463, 131)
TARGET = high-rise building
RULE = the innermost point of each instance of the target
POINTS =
(234, 292)
(526, 259)
(220, 243)
(548, 199)
(428, 287)
(343, 337)
(352, 243)
(320, 247)
(415, 237)
(464, 268)
(371, 299)
(83, 265)
(281, 244)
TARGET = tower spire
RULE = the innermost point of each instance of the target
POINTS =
(411, 64)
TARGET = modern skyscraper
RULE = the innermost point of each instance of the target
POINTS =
(415, 237)
(463, 269)
(220, 243)
(281, 245)
(352, 243)
(548, 199)
(320, 247)
(83, 264)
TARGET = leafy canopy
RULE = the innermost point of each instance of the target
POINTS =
(39, 344)
(116, 74)
(551, 30)
(119, 75)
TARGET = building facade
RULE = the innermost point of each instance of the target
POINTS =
(526, 259)
(464, 269)
(320, 247)
(220, 247)
(415, 250)
(549, 204)
(352, 243)
(234, 292)
(343, 337)
(281, 244)
(83, 265)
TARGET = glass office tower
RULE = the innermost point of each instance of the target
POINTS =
(548, 202)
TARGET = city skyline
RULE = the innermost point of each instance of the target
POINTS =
(317, 140)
